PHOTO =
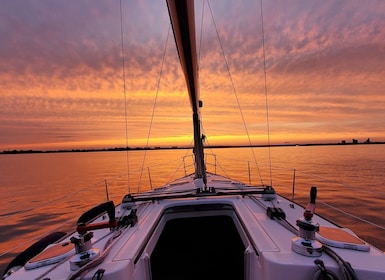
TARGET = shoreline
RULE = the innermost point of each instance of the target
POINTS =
(119, 149)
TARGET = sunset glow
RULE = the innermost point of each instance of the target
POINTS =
(61, 73)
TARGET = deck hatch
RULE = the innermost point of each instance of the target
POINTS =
(198, 207)
(207, 247)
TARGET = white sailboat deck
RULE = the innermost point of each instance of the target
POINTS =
(200, 244)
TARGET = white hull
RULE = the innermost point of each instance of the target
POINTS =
(212, 235)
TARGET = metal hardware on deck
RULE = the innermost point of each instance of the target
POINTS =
(206, 191)
(129, 220)
(275, 212)
(202, 189)
(81, 259)
(268, 193)
(293, 187)
(84, 250)
(128, 202)
(305, 243)
(82, 241)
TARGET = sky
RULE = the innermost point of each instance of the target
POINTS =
(62, 84)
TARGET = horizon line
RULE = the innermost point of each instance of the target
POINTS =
(118, 149)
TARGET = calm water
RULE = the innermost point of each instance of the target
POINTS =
(48, 192)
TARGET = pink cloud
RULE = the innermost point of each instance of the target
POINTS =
(61, 63)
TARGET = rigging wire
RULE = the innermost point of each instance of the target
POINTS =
(153, 109)
(199, 67)
(234, 91)
(266, 99)
(125, 93)
(352, 215)
(199, 60)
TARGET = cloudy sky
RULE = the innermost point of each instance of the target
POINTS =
(61, 81)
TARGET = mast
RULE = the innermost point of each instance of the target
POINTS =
(183, 24)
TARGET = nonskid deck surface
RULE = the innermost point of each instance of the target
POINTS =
(243, 230)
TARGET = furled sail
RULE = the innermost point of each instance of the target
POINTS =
(183, 23)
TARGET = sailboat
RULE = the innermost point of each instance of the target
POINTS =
(201, 226)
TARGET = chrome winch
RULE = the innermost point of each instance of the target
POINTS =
(83, 249)
(305, 243)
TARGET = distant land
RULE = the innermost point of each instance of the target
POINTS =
(119, 149)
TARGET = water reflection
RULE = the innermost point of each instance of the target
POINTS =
(48, 192)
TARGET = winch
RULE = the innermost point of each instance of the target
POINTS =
(305, 243)
(82, 240)
(83, 249)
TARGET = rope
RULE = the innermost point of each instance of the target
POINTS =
(266, 99)
(347, 270)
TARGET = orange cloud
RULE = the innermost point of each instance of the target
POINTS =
(61, 73)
